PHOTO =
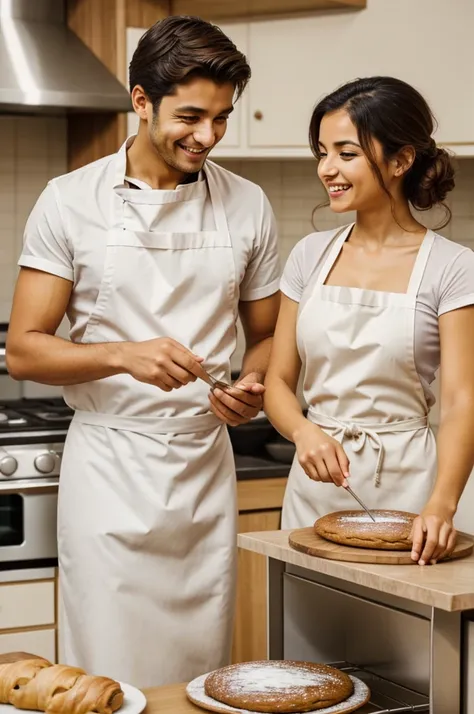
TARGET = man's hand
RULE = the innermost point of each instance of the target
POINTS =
(162, 362)
(240, 403)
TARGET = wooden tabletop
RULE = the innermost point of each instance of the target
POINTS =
(170, 699)
(447, 586)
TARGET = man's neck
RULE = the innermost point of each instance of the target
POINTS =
(144, 163)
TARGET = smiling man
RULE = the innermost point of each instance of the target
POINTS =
(152, 253)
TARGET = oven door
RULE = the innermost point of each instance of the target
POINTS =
(28, 519)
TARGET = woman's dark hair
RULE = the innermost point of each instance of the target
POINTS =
(178, 48)
(394, 113)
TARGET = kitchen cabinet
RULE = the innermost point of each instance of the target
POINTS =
(295, 61)
(39, 642)
(28, 618)
(26, 604)
(220, 9)
(259, 503)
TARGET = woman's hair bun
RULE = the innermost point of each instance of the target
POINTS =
(431, 180)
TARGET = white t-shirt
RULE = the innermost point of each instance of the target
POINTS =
(66, 234)
(447, 284)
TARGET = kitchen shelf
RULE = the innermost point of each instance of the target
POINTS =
(386, 696)
(228, 9)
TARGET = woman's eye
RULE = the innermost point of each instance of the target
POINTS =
(347, 155)
(322, 155)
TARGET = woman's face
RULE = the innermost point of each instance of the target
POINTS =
(344, 168)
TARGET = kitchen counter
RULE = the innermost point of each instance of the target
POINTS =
(447, 586)
(400, 625)
(170, 699)
(259, 467)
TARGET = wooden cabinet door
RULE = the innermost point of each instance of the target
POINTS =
(27, 604)
(296, 61)
(250, 629)
(38, 642)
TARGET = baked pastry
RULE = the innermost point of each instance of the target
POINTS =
(18, 674)
(391, 530)
(35, 683)
(278, 686)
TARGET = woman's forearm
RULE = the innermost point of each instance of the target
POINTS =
(455, 455)
(282, 407)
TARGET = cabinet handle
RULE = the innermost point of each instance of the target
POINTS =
(258, 115)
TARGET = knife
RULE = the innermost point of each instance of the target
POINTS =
(361, 503)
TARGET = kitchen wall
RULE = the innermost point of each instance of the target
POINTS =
(32, 150)
(294, 190)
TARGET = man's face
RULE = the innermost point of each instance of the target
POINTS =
(190, 123)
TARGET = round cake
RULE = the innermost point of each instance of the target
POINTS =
(278, 686)
(391, 530)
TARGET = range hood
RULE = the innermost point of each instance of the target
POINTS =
(44, 66)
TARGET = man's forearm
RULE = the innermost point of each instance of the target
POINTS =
(51, 360)
(256, 359)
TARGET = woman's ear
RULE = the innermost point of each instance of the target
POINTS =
(403, 161)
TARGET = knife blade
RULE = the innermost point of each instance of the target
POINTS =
(361, 503)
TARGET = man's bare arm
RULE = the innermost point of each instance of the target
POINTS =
(35, 353)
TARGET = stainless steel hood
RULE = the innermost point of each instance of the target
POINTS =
(45, 68)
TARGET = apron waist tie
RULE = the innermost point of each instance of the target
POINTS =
(358, 433)
(150, 424)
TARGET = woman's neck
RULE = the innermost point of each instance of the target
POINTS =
(387, 225)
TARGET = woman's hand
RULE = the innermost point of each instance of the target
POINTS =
(433, 535)
(321, 457)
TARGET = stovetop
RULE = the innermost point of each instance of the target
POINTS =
(34, 415)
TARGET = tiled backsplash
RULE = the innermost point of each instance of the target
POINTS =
(32, 150)
(294, 190)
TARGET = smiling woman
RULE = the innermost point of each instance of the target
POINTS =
(368, 315)
(382, 117)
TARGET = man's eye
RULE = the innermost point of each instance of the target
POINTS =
(221, 119)
(188, 119)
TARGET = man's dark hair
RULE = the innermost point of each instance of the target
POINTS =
(178, 48)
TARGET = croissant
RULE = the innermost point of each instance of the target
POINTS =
(89, 694)
(37, 684)
(18, 674)
(39, 691)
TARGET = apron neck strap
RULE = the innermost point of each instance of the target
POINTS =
(340, 237)
(420, 264)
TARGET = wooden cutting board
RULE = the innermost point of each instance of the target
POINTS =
(306, 541)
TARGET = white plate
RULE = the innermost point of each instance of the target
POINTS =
(196, 693)
(134, 702)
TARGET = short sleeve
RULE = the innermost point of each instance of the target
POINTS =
(262, 276)
(45, 245)
(292, 281)
(457, 285)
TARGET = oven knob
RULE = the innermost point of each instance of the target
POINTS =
(45, 463)
(8, 465)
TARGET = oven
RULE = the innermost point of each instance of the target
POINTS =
(32, 435)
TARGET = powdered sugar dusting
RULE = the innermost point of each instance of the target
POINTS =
(196, 693)
(257, 677)
(278, 685)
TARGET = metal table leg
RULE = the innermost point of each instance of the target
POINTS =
(445, 662)
(275, 570)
